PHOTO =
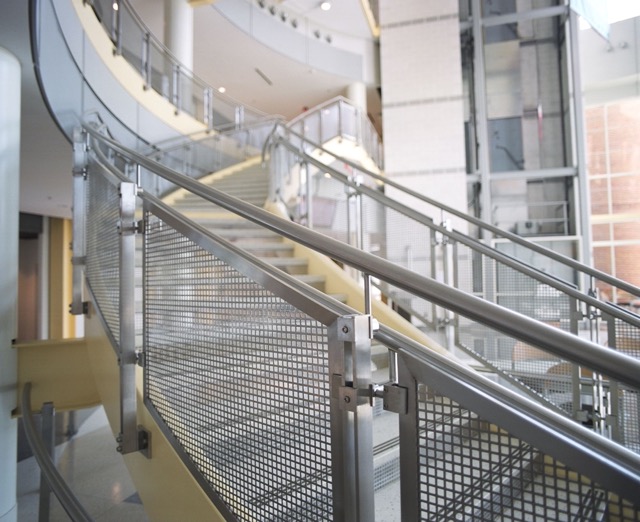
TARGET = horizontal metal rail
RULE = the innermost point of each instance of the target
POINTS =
(510, 261)
(613, 364)
(572, 263)
(61, 489)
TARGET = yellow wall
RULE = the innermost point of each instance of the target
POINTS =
(61, 322)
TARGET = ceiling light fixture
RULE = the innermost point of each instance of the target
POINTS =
(222, 89)
(115, 6)
(325, 6)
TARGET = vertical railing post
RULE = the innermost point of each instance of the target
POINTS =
(78, 256)
(308, 194)
(208, 107)
(127, 228)
(146, 60)
(447, 268)
(176, 95)
(615, 418)
(239, 116)
(116, 27)
(47, 415)
(409, 452)
(351, 418)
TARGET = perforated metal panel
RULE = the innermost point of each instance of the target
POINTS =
(494, 281)
(240, 378)
(471, 469)
(627, 341)
(102, 269)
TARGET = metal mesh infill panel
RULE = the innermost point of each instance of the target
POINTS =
(103, 247)
(240, 377)
(471, 469)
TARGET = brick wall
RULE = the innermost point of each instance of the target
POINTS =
(613, 147)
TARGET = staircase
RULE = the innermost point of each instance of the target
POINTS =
(501, 487)
(249, 183)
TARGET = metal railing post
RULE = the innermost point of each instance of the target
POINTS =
(176, 95)
(239, 116)
(116, 27)
(308, 194)
(351, 418)
(208, 107)
(409, 454)
(78, 259)
(47, 415)
(127, 227)
(146, 60)
(448, 275)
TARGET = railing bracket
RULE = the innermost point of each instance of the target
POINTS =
(81, 308)
(144, 441)
(394, 397)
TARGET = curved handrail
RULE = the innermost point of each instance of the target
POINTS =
(614, 364)
(567, 261)
(61, 489)
(150, 38)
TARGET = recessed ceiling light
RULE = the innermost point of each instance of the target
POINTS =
(222, 89)
(325, 6)
(115, 6)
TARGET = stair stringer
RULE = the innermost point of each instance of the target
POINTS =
(166, 487)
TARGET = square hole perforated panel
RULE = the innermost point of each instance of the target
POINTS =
(240, 377)
(103, 261)
(471, 469)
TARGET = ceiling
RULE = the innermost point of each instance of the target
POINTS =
(223, 56)
(294, 84)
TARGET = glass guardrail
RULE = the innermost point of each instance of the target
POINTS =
(163, 73)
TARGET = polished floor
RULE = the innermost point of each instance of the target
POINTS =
(95, 472)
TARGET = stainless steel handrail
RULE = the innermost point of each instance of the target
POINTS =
(63, 492)
(572, 263)
(614, 364)
(512, 262)
(578, 447)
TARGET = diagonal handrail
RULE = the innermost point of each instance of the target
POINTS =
(516, 264)
(614, 364)
(580, 448)
(565, 260)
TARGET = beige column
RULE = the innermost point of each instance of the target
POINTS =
(9, 212)
(422, 99)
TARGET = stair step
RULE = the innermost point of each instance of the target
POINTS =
(265, 249)
(316, 281)
(291, 265)
(246, 233)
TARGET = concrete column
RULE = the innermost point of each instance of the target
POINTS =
(9, 188)
(178, 30)
(357, 93)
(422, 100)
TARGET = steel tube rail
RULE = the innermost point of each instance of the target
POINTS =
(475, 221)
(69, 501)
(579, 448)
(558, 342)
(542, 277)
